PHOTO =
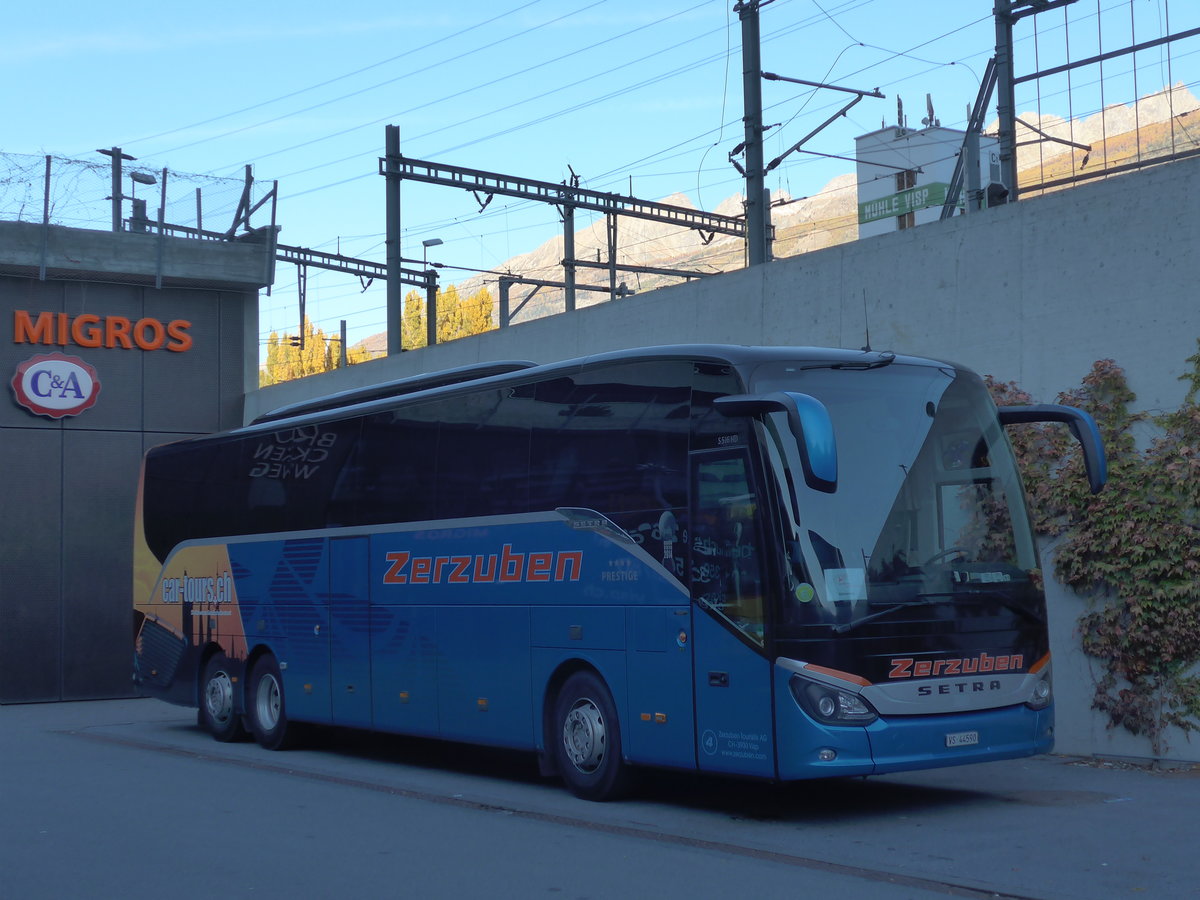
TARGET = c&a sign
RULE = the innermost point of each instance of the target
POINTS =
(56, 385)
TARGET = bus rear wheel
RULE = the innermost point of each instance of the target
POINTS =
(266, 708)
(218, 707)
(587, 742)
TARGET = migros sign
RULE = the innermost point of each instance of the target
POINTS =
(88, 330)
(58, 385)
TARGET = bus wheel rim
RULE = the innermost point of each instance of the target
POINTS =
(218, 697)
(269, 702)
(584, 736)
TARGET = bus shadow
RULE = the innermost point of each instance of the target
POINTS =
(828, 800)
(824, 800)
(429, 754)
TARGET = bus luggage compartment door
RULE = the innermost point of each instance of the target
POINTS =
(350, 633)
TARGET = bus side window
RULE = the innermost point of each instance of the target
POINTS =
(482, 477)
(726, 574)
(614, 440)
(389, 476)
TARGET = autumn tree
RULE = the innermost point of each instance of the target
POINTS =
(287, 360)
(413, 326)
(355, 354)
(456, 317)
(477, 313)
(272, 373)
(449, 314)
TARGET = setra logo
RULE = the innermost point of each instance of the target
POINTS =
(56, 385)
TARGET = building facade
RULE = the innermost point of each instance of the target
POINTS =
(101, 364)
(904, 175)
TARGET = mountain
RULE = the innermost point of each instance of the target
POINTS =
(1116, 121)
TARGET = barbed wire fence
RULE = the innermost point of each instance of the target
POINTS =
(78, 193)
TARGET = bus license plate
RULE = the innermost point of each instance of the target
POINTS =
(962, 739)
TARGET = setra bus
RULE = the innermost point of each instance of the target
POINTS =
(781, 563)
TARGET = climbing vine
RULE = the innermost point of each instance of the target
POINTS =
(1134, 547)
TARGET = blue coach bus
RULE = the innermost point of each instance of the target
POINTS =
(781, 563)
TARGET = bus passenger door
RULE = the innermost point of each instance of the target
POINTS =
(734, 731)
(350, 632)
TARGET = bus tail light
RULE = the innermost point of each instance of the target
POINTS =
(831, 705)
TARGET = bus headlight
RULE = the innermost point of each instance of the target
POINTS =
(831, 705)
(1042, 693)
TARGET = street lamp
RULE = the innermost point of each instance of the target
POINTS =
(425, 245)
(430, 291)
(137, 215)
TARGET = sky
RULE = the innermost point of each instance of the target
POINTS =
(633, 97)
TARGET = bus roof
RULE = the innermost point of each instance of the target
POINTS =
(395, 388)
(499, 374)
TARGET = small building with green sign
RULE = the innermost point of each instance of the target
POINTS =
(904, 175)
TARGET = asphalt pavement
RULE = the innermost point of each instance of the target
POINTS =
(130, 799)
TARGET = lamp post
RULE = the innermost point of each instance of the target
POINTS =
(430, 291)
(425, 245)
(117, 156)
(137, 214)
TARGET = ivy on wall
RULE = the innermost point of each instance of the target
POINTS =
(1134, 547)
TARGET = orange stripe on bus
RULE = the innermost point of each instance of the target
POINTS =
(844, 676)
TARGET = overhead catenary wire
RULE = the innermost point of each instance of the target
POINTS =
(421, 70)
(513, 105)
(334, 79)
(490, 45)
(572, 55)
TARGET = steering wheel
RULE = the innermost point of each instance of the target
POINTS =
(943, 554)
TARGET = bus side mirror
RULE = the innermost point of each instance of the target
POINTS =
(810, 424)
(1082, 425)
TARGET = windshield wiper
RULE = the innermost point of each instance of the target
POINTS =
(933, 599)
(921, 600)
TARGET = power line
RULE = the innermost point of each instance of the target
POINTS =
(541, 120)
(496, 111)
(418, 71)
(336, 78)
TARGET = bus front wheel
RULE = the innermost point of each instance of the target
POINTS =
(587, 739)
(265, 706)
(218, 709)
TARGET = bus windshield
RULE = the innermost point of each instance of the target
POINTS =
(926, 541)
